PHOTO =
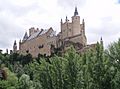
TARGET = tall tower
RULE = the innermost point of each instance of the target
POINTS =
(15, 47)
(76, 23)
(65, 28)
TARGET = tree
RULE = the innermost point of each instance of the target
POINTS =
(11, 81)
(25, 82)
(113, 53)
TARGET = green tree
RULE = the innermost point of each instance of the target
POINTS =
(25, 82)
(11, 82)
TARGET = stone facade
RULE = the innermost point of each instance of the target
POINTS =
(72, 33)
(40, 41)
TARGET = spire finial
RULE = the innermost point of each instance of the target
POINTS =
(61, 20)
(101, 39)
(83, 21)
(76, 12)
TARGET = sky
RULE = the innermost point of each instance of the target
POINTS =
(102, 18)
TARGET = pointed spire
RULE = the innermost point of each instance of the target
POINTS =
(66, 19)
(83, 21)
(76, 12)
(15, 46)
(61, 21)
(25, 36)
(101, 41)
(15, 43)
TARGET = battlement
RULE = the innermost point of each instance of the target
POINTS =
(32, 30)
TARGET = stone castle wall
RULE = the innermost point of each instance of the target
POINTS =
(73, 32)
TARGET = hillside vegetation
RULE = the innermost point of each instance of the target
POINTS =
(94, 69)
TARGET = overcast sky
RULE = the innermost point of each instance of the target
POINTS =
(102, 18)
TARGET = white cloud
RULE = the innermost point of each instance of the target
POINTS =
(102, 18)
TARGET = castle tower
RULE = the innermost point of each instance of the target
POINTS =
(76, 23)
(15, 47)
(65, 28)
(101, 43)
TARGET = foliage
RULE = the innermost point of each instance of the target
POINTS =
(25, 82)
(93, 69)
(11, 82)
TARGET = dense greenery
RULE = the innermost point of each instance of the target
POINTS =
(93, 69)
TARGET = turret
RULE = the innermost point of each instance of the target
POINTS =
(15, 47)
(101, 41)
(20, 44)
(32, 30)
(66, 19)
(25, 37)
(76, 23)
(61, 24)
(6, 51)
(61, 21)
(83, 24)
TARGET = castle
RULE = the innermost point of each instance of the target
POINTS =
(41, 41)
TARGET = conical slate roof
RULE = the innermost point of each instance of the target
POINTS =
(25, 36)
(76, 12)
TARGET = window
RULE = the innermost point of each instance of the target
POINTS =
(27, 51)
(40, 46)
